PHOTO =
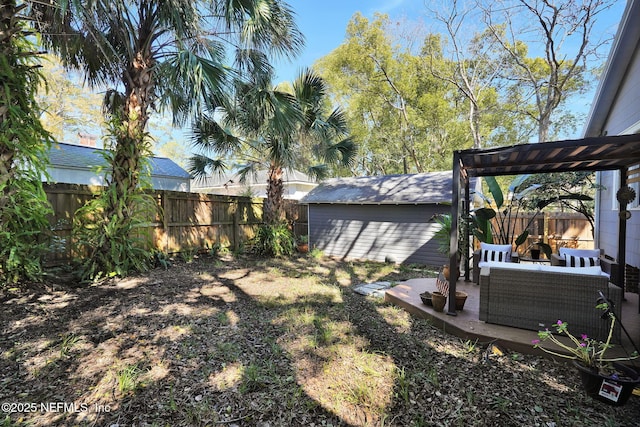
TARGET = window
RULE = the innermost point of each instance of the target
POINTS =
(633, 178)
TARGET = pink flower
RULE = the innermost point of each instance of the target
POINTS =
(559, 322)
(584, 337)
(535, 342)
(582, 344)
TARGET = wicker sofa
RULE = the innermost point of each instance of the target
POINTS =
(535, 297)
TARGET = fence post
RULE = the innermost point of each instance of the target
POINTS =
(545, 228)
(236, 224)
(165, 221)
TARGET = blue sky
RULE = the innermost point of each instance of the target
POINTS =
(324, 22)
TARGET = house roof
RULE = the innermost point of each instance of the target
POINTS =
(421, 188)
(82, 157)
(259, 178)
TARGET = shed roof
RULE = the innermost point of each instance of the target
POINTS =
(421, 188)
(82, 157)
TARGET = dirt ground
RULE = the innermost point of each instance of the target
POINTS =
(252, 342)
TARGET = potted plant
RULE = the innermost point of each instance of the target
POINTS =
(443, 237)
(426, 298)
(438, 300)
(605, 379)
(538, 247)
(302, 243)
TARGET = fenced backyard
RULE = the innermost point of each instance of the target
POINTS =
(196, 221)
(183, 222)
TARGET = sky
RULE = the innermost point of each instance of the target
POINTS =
(324, 23)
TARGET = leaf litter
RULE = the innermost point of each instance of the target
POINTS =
(242, 341)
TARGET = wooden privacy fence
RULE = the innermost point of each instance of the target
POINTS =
(558, 229)
(183, 222)
(195, 222)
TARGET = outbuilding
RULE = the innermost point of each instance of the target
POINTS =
(381, 218)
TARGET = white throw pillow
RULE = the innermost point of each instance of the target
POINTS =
(564, 252)
(512, 266)
(581, 261)
(495, 253)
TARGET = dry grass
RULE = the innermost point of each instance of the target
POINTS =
(246, 342)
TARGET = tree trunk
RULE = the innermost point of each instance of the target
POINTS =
(474, 120)
(131, 142)
(274, 205)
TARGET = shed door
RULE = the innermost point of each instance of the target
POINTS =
(397, 233)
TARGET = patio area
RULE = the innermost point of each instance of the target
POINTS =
(467, 325)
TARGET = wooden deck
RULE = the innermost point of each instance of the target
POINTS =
(466, 324)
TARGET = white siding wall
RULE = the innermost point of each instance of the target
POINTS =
(626, 111)
(74, 176)
(88, 177)
(624, 115)
(399, 233)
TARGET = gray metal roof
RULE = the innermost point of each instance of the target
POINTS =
(421, 188)
(82, 157)
(260, 177)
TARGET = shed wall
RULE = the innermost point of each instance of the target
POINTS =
(398, 233)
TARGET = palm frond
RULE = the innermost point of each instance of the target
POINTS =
(342, 152)
(246, 170)
(199, 166)
(189, 81)
(337, 121)
(208, 135)
(309, 88)
(254, 63)
(318, 172)
(268, 26)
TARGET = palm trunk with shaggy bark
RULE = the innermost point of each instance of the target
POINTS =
(131, 144)
(274, 213)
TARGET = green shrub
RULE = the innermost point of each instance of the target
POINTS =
(112, 245)
(22, 221)
(274, 240)
(24, 146)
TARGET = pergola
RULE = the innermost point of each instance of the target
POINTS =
(588, 154)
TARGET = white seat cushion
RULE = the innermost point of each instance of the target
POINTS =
(509, 266)
(591, 271)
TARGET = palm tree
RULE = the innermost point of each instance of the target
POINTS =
(158, 54)
(273, 128)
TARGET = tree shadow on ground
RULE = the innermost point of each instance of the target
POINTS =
(198, 349)
(265, 342)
